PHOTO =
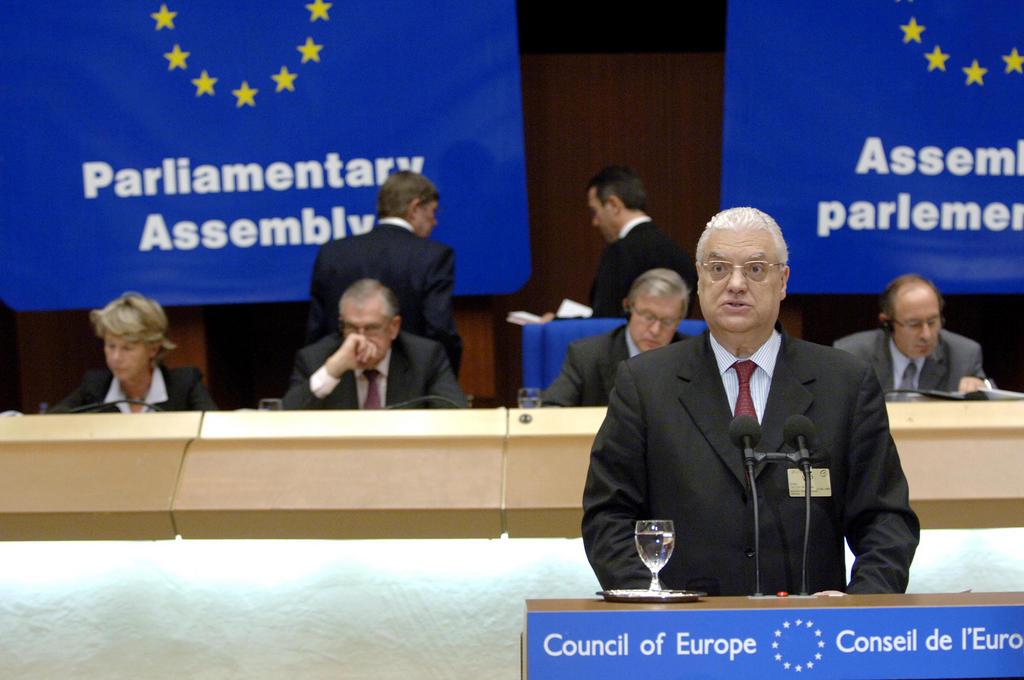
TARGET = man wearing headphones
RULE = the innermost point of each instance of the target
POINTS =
(911, 351)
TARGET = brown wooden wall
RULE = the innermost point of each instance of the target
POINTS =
(661, 113)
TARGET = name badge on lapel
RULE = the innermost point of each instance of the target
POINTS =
(821, 482)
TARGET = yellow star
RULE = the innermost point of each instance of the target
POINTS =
(285, 80)
(974, 73)
(912, 31)
(936, 59)
(164, 18)
(310, 51)
(318, 10)
(204, 84)
(245, 95)
(1014, 61)
(176, 58)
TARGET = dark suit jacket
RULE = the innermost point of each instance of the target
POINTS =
(588, 372)
(185, 391)
(645, 247)
(664, 452)
(418, 368)
(420, 272)
(953, 358)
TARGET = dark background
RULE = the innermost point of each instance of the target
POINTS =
(640, 84)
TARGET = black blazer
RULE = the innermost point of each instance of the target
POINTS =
(588, 372)
(645, 247)
(663, 451)
(420, 272)
(418, 368)
(185, 391)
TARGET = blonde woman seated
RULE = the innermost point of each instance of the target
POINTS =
(133, 329)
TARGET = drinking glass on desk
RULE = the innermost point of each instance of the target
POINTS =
(529, 397)
(655, 539)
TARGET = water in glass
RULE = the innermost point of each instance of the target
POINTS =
(655, 540)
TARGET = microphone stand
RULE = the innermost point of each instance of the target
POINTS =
(801, 458)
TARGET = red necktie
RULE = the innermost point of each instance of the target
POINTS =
(372, 393)
(744, 403)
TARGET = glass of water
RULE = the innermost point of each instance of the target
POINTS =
(655, 539)
(529, 397)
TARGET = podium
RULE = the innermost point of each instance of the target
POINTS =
(965, 635)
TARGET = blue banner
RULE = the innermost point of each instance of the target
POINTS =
(884, 136)
(847, 642)
(201, 152)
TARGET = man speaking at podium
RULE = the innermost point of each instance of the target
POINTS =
(664, 450)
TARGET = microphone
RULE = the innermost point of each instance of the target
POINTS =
(745, 432)
(424, 400)
(798, 433)
(101, 405)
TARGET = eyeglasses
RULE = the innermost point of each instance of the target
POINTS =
(373, 329)
(917, 324)
(650, 319)
(755, 270)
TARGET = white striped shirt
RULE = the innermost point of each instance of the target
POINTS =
(760, 381)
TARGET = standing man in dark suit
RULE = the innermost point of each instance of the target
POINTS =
(618, 205)
(372, 364)
(657, 302)
(398, 253)
(664, 452)
(911, 351)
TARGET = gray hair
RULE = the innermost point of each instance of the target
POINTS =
(363, 290)
(660, 283)
(743, 219)
(135, 318)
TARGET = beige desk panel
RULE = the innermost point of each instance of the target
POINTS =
(548, 454)
(91, 476)
(423, 473)
(964, 462)
(342, 475)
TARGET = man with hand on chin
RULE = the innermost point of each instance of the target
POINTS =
(372, 363)
(664, 449)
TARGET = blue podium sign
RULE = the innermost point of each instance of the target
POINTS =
(201, 152)
(865, 637)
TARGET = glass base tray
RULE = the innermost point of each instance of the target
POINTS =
(651, 595)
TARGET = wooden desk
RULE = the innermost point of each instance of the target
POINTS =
(344, 474)
(91, 476)
(964, 462)
(412, 474)
(548, 454)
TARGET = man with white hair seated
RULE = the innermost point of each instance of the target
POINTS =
(657, 302)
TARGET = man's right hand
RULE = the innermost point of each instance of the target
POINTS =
(355, 352)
